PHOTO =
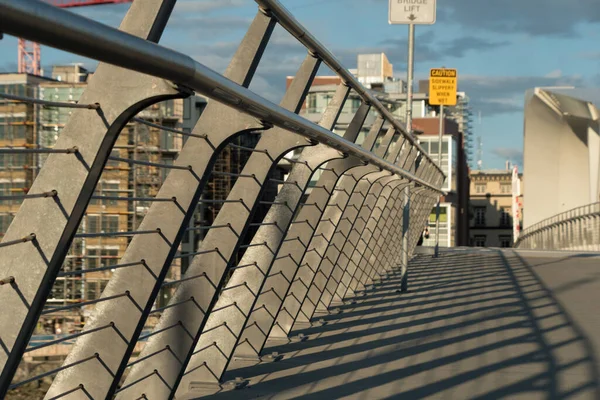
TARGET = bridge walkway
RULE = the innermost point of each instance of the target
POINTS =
(476, 324)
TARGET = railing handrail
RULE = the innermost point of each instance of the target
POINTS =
(565, 216)
(290, 24)
(46, 24)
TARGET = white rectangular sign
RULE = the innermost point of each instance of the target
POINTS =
(418, 12)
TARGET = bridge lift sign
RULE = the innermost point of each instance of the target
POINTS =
(416, 12)
(443, 86)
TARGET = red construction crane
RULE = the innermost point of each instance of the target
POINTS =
(29, 52)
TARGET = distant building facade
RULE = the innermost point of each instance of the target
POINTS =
(491, 210)
(454, 207)
(376, 73)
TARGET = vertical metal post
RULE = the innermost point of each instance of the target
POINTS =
(424, 209)
(437, 210)
(405, 231)
(409, 83)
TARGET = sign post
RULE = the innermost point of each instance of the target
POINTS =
(442, 91)
(516, 193)
(409, 80)
(411, 13)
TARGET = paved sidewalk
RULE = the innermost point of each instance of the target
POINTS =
(476, 324)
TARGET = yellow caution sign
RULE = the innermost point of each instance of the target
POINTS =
(443, 84)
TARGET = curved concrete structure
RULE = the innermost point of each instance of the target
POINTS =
(561, 152)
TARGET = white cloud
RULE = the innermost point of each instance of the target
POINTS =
(554, 74)
(512, 154)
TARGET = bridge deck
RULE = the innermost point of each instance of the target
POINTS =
(475, 324)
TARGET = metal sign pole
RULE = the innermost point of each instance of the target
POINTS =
(409, 83)
(437, 210)
(442, 92)
(411, 14)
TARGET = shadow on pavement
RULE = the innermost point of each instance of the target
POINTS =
(473, 325)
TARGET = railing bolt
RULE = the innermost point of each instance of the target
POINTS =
(7, 281)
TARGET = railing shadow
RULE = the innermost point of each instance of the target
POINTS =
(472, 326)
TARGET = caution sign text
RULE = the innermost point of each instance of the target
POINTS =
(443, 84)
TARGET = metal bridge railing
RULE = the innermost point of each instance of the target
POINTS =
(575, 230)
(316, 246)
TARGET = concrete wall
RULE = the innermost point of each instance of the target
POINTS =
(560, 165)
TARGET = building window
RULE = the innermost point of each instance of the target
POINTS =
(479, 241)
(505, 188)
(114, 163)
(165, 171)
(505, 216)
(187, 107)
(505, 241)
(105, 189)
(92, 258)
(144, 191)
(480, 187)
(167, 140)
(92, 290)
(19, 132)
(102, 258)
(5, 221)
(110, 223)
(95, 288)
(93, 225)
(480, 216)
(18, 160)
(5, 191)
(311, 101)
(9, 189)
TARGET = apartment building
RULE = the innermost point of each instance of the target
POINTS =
(491, 202)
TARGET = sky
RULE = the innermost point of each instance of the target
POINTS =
(500, 49)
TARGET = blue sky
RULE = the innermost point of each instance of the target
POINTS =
(499, 48)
